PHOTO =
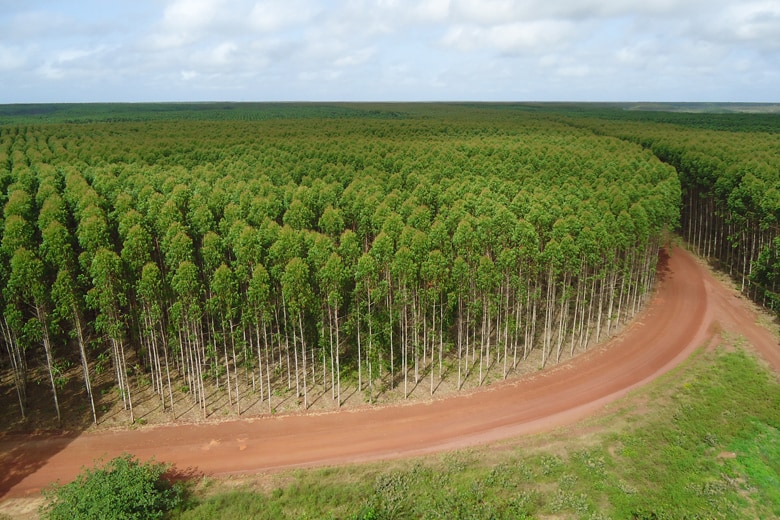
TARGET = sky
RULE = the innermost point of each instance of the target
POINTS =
(389, 50)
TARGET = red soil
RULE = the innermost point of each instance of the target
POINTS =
(687, 310)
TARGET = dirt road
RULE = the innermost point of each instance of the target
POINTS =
(688, 308)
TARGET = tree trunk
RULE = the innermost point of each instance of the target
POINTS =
(303, 351)
(84, 361)
(18, 365)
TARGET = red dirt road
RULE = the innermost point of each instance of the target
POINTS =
(687, 310)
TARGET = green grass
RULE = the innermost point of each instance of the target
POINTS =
(703, 442)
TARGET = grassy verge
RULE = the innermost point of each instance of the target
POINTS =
(702, 442)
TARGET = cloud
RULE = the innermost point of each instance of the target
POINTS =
(510, 37)
(35, 25)
(273, 15)
(389, 49)
(753, 22)
(186, 22)
(356, 58)
(223, 54)
(12, 58)
(193, 16)
(74, 62)
(430, 11)
(492, 12)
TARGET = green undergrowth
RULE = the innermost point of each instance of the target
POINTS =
(701, 442)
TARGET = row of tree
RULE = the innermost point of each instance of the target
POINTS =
(731, 202)
(266, 258)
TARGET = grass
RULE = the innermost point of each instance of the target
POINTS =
(701, 442)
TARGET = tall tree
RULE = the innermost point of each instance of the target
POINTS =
(107, 298)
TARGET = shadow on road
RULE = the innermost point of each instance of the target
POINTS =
(24, 454)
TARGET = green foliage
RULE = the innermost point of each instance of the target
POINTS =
(412, 224)
(728, 168)
(123, 488)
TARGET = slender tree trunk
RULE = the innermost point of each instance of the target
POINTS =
(460, 340)
(415, 338)
(359, 361)
(506, 323)
(518, 327)
(390, 319)
(338, 357)
(441, 338)
(332, 355)
(18, 365)
(370, 353)
(227, 369)
(405, 349)
(235, 366)
(287, 349)
(84, 361)
(127, 382)
(303, 351)
(433, 327)
(168, 372)
(482, 338)
(268, 361)
(259, 361)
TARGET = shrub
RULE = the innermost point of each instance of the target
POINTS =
(123, 488)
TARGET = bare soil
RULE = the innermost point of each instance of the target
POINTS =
(689, 308)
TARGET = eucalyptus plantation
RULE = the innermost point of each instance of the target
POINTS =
(277, 261)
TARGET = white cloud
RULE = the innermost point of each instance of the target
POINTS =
(356, 58)
(430, 10)
(754, 22)
(511, 37)
(486, 12)
(221, 55)
(272, 15)
(491, 12)
(193, 15)
(74, 62)
(390, 49)
(575, 71)
(35, 25)
(12, 58)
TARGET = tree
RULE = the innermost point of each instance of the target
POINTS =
(187, 313)
(69, 306)
(366, 282)
(150, 292)
(258, 298)
(225, 301)
(331, 222)
(434, 274)
(333, 275)
(107, 298)
(405, 273)
(27, 284)
(298, 216)
(296, 290)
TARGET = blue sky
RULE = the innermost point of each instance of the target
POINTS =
(389, 50)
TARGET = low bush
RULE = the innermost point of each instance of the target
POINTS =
(123, 488)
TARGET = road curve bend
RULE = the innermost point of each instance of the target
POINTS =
(687, 304)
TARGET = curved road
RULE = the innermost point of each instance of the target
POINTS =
(688, 308)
